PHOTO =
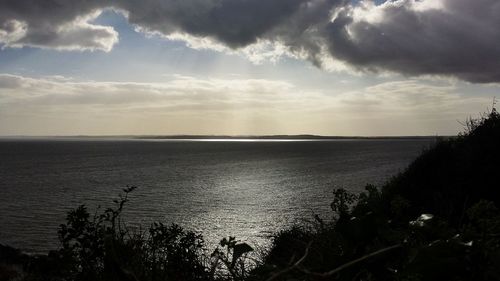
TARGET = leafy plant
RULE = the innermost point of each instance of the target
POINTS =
(232, 256)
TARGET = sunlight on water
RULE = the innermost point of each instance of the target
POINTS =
(245, 187)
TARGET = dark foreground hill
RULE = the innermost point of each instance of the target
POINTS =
(438, 220)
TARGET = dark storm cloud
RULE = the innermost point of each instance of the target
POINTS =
(236, 23)
(302, 32)
(55, 24)
(457, 38)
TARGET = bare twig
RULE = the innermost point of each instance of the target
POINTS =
(295, 265)
(351, 263)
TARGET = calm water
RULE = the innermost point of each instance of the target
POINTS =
(244, 189)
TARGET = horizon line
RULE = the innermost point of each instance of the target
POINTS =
(223, 137)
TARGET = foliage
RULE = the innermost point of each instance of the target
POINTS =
(233, 256)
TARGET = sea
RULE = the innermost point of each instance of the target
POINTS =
(245, 188)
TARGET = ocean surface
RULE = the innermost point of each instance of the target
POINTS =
(247, 189)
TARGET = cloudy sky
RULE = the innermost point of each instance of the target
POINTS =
(239, 67)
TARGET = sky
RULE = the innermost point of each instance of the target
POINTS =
(246, 67)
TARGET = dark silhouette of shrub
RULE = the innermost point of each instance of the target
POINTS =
(103, 248)
(453, 175)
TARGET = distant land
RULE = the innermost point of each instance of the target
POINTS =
(278, 137)
(222, 137)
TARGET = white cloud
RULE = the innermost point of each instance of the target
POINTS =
(180, 92)
(75, 34)
(230, 106)
(414, 100)
(12, 31)
(80, 35)
(258, 52)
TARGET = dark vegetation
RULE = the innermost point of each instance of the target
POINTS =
(438, 220)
